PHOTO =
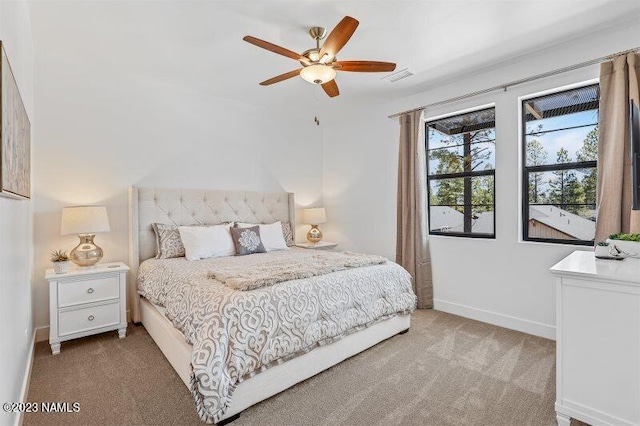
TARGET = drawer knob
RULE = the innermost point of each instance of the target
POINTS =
(90, 290)
(91, 318)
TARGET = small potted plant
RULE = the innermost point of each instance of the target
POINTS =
(60, 261)
(602, 249)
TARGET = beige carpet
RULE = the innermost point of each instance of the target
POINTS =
(447, 370)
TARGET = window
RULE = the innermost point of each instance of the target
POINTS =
(560, 137)
(461, 173)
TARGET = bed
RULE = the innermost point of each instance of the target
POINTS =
(182, 338)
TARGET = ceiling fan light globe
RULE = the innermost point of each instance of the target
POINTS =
(318, 74)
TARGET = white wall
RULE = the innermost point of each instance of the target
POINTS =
(15, 228)
(104, 129)
(503, 281)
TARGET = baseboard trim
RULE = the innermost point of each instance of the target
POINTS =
(502, 320)
(24, 392)
(42, 333)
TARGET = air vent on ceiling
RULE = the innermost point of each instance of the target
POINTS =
(399, 75)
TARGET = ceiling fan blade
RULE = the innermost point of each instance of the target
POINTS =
(339, 36)
(281, 77)
(364, 66)
(274, 48)
(331, 88)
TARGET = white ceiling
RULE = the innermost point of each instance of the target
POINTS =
(198, 44)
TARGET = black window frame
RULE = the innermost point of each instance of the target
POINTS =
(526, 170)
(471, 174)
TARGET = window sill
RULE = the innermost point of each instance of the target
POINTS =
(546, 243)
(465, 237)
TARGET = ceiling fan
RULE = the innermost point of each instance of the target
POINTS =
(319, 65)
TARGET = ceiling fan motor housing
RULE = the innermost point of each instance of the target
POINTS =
(312, 54)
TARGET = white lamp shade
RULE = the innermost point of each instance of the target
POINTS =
(84, 220)
(314, 216)
(318, 74)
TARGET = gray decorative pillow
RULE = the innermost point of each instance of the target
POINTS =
(287, 233)
(168, 241)
(247, 240)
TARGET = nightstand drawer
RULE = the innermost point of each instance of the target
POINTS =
(87, 291)
(79, 320)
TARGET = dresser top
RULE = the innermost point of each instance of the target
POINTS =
(88, 270)
(583, 264)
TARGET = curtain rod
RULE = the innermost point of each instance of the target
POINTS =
(521, 81)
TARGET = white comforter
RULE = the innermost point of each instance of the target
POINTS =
(236, 334)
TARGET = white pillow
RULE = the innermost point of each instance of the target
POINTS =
(202, 242)
(271, 235)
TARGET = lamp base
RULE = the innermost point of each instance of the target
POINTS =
(314, 235)
(86, 253)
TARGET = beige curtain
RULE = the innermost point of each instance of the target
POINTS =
(618, 85)
(412, 240)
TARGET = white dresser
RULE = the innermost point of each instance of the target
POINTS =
(597, 340)
(87, 301)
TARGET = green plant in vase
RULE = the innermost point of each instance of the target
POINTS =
(60, 260)
(602, 249)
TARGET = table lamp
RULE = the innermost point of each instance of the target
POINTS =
(85, 221)
(314, 217)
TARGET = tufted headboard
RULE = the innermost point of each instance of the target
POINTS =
(196, 207)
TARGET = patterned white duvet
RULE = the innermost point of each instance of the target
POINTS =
(236, 334)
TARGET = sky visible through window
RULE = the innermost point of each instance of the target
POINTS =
(551, 136)
(549, 132)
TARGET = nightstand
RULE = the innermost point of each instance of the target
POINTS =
(86, 301)
(322, 245)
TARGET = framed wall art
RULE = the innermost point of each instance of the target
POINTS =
(15, 133)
